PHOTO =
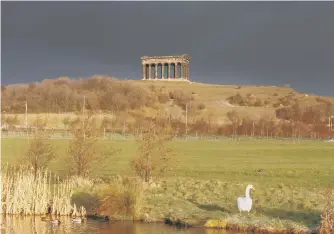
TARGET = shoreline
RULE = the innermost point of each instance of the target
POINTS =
(254, 226)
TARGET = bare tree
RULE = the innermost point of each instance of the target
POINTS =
(40, 152)
(85, 147)
(154, 156)
(234, 117)
(10, 121)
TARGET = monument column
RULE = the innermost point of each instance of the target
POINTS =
(169, 69)
(162, 71)
(149, 71)
(144, 71)
(176, 70)
(186, 71)
(156, 71)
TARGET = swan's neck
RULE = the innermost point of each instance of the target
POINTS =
(247, 192)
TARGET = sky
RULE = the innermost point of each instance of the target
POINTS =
(262, 43)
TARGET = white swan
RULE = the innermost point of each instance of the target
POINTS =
(245, 203)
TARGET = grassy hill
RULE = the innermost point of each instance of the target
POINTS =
(149, 98)
(215, 97)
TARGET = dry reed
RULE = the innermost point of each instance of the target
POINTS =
(327, 216)
(27, 194)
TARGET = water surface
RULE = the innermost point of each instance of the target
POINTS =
(34, 225)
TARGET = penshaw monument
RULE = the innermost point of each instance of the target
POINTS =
(166, 67)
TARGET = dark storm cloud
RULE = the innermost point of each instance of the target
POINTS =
(229, 42)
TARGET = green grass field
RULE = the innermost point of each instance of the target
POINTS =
(207, 177)
(303, 164)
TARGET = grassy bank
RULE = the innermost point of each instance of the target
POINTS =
(207, 177)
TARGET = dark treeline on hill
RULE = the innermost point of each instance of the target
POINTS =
(65, 95)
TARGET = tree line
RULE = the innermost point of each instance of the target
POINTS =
(100, 93)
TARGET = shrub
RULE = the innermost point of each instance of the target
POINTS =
(163, 98)
(122, 199)
(258, 102)
(236, 99)
(249, 100)
(201, 106)
(66, 121)
(10, 120)
(180, 98)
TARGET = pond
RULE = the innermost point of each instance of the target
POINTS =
(34, 225)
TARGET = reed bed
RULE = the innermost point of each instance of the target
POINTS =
(327, 216)
(25, 193)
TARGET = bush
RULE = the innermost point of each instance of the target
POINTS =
(236, 99)
(258, 102)
(249, 100)
(180, 98)
(201, 106)
(163, 98)
(122, 199)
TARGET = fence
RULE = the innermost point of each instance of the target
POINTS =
(121, 137)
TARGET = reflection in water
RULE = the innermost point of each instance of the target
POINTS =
(34, 225)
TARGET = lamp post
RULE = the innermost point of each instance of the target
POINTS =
(188, 103)
(330, 122)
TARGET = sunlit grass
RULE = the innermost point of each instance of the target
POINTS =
(304, 164)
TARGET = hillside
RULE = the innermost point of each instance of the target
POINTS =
(133, 99)
(215, 97)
